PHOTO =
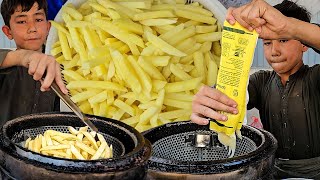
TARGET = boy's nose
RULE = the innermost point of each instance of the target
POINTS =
(32, 28)
(275, 50)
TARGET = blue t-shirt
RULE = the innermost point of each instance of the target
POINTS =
(53, 8)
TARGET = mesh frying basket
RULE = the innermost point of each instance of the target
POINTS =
(182, 147)
(130, 150)
(187, 149)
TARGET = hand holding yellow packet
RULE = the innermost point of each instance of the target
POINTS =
(238, 45)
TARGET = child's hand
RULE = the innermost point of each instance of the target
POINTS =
(43, 66)
(206, 104)
(259, 15)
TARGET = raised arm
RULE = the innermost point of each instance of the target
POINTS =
(272, 24)
(305, 32)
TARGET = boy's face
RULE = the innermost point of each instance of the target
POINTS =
(284, 56)
(28, 29)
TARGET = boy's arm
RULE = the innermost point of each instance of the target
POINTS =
(40, 66)
(305, 32)
(20, 57)
(272, 24)
(10, 58)
(3, 55)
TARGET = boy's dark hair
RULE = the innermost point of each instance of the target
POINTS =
(291, 9)
(9, 6)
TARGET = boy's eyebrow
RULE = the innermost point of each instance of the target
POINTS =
(24, 15)
(20, 15)
(39, 13)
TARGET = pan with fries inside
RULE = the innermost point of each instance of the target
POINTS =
(126, 160)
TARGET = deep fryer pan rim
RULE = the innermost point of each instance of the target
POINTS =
(142, 146)
(263, 151)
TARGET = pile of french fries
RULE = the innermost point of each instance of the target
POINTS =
(137, 61)
(79, 145)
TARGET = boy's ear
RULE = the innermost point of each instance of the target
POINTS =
(48, 26)
(6, 30)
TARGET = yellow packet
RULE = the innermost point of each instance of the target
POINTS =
(238, 45)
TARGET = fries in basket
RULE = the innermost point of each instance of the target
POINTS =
(78, 144)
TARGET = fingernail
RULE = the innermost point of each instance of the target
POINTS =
(42, 89)
(224, 118)
(258, 30)
(234, 105)
(205, 122)
(235, 112)
(250, 29)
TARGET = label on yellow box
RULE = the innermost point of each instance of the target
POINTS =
(238, 45)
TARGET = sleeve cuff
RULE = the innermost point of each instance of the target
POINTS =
(3, 54)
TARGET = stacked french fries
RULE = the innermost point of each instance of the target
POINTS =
(137, 61)
(78, 144)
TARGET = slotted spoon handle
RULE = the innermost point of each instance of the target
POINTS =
(66, 99)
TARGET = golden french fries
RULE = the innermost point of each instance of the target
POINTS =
(78, 144)
(139, 62)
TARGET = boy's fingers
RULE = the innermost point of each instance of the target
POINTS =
(255, 15)
(43, 89)
(229, 16)
(208, 112)
(198, 120)
(223, 107)
(50, 74)
(41, 68)
(32, 67)
(213, 104)
(224, 99)
(218, 96)
(259, 28)
(242, 17)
